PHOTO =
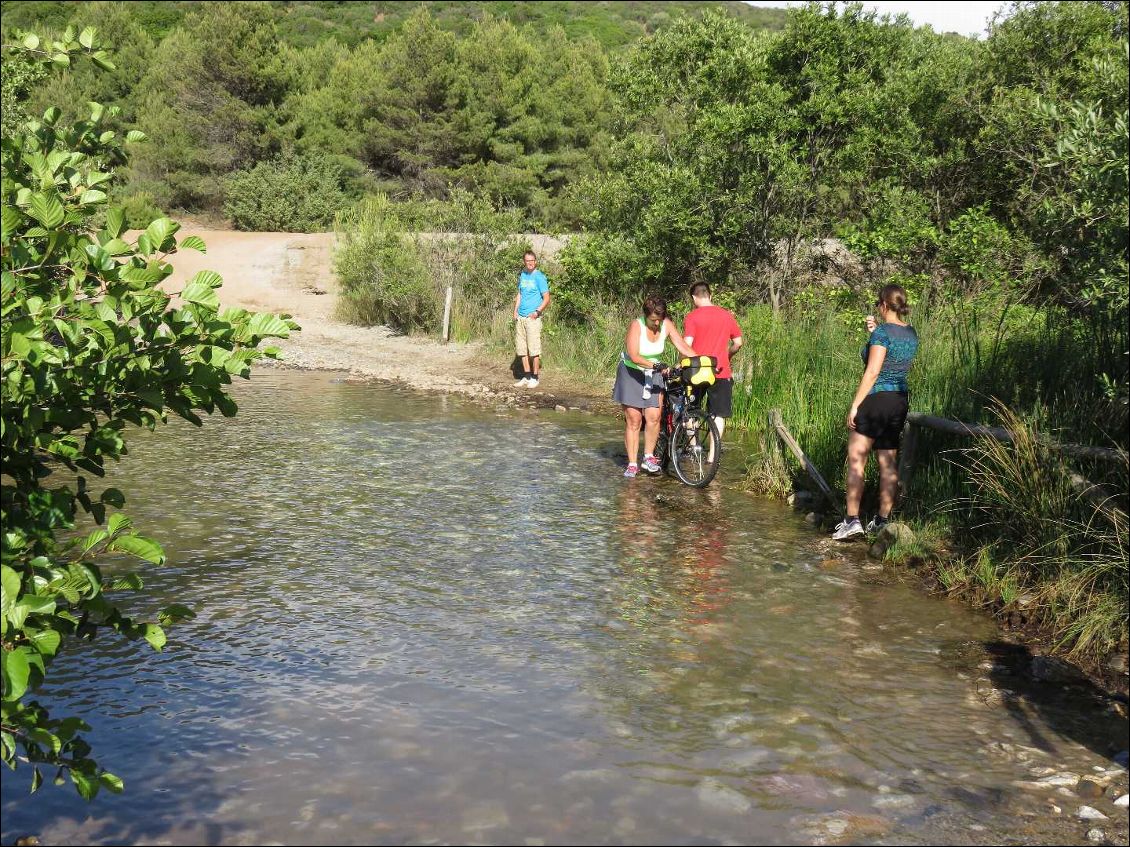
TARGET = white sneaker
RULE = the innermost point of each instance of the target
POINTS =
(522, 383)
(847, 530)
(876, 524)
(532, 382)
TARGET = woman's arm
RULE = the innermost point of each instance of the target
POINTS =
(678, 340)
(875, 356)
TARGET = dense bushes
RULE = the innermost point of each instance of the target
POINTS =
(289, 194)
(396, 260)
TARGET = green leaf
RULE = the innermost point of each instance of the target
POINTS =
(9, 589)
(92, 195)
(139, 546)
(201, 294)
(174, 613)
(154, 635)
(46, 641)
(46, 208)
(159, 230)
(102, 59)
(192, 242)
(36, 779)
(136, 135)
(85, 785)
(10, 219)
(16, 671)
(86, 38)
(113, 497)
(115, 221)
(111, 782)
(31, 41)
(208, 278)
(118, 523)
(264, 324)
(116, 247)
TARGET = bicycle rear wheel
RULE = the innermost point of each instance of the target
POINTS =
(695, 448)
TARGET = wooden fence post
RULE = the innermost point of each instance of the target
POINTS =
(447, 315)
(906, 458)
(778, 423)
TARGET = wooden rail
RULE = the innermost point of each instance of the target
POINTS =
(1079, 451)
(1099, 496)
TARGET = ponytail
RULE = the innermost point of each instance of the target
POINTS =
(894, 298)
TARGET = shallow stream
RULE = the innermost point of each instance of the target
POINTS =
(422, 621)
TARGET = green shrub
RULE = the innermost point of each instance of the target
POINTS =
(397, 259)
(288, 194)
(140, 209)
(384, 279)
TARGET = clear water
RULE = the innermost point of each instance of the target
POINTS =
(425, 622)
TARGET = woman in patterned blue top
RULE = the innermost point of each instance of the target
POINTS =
(878, 411)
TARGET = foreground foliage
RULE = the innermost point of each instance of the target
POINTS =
(92, 345)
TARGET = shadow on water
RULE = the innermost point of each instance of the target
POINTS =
(1051, 702)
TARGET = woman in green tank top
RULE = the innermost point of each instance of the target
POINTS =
(639, 386)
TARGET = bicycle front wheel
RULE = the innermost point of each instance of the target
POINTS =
(695, 449)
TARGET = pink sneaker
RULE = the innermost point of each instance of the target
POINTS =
(631, 471)
(651, 464)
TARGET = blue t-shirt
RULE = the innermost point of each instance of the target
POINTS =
(902, 344)
(532, 285)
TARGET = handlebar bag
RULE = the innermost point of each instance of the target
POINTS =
(699, 370)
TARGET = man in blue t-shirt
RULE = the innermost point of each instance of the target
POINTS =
(529, 305)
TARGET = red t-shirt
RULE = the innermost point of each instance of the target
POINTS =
(712, 327)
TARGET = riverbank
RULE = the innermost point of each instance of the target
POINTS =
(292, 273)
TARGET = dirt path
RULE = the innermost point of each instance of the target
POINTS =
(292, 273)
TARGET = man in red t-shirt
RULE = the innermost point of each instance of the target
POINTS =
(712, 331)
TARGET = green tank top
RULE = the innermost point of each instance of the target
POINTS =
(650, 350)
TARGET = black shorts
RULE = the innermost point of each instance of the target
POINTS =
(881, 416)
(720, 398)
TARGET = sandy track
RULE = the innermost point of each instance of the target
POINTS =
(292, 273)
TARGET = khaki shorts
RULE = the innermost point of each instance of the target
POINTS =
(527, 336)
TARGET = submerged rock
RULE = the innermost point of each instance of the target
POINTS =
(890, 535)
(1090, 813)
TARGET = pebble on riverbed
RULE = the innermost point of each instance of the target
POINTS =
(1090, 813)
(1096, 835)
(1088, 789)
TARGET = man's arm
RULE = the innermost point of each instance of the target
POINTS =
(541, 309)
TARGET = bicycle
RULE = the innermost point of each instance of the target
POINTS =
(689, 443)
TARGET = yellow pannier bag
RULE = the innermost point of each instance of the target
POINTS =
(699, 370)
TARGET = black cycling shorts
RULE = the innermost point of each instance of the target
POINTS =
(720, 398)
(881, 416)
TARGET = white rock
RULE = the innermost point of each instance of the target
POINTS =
(1090, 813)
(1096, 835)
(1064, 778)
(1123, 801)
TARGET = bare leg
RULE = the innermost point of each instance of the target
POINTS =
(633, 419)
(525, 366)
(888, 480)
(858, 448)
(651, 430)
(721, 424)
(536, 360)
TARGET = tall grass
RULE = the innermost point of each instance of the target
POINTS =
(1044, 529)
